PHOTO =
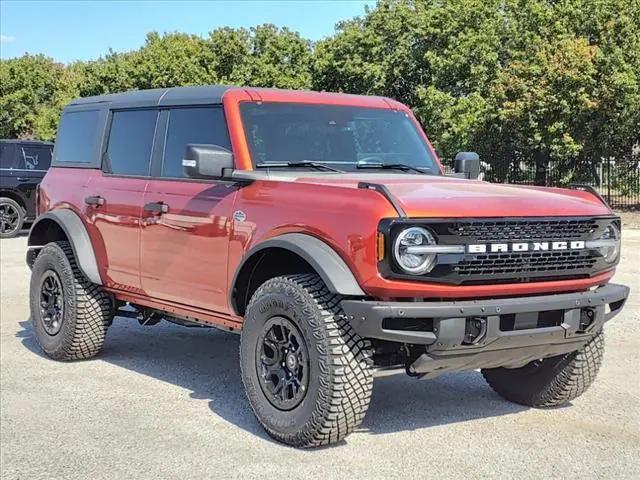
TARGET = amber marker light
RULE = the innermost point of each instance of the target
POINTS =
(380, 246)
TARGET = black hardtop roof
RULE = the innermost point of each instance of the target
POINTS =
(159, 96)
(196, 95)
(28, 142)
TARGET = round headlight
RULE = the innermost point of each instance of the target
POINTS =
(611, 250)
(410, 259)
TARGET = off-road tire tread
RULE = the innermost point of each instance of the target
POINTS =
(563, 379)
(94, 312)
(346, 378)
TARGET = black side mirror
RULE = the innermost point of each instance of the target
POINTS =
(207, 161)
(468, 164)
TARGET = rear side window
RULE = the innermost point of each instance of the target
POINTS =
(131, 142)
(7, 156)
(192, 125)
(34, 158)
(77, 137)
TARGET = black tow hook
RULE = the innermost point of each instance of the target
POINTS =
(587, 317)
(475, 330)
(411, 372)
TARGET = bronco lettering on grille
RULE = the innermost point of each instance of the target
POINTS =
(525, 247)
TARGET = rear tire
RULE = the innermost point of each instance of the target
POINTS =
(552, 381)
(331, 394)
(69, 314)
(11, 217)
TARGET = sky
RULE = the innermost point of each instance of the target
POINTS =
(84, 30)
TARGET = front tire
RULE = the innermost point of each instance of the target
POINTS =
(11, 217)
(295, 337)
(549, 382)
(69, 314)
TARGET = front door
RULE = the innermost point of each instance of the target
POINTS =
(185, 222)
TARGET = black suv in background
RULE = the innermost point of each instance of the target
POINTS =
(23, 164)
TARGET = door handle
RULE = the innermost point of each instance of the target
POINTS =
(23, 179)
(94, 200)
(157, 208)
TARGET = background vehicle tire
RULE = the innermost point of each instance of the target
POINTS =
(11, 217)
(69, 314)
(336, 385)
(552, 381)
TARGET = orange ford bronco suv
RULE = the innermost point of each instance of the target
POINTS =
(321, 228)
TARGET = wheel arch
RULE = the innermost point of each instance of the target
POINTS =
(65, 224)
(286, 254)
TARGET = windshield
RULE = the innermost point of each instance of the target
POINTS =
(343, 137)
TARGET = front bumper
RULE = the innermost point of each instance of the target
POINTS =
(445, 327)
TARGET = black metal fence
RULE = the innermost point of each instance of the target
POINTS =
(617, 181)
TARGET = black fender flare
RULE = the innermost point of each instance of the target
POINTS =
(333, 270)
(75, 231)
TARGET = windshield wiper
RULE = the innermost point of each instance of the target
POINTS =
(390, 166)
(304, 163)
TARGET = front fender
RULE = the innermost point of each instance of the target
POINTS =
(321, 257)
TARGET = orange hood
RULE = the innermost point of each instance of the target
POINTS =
(440, 196)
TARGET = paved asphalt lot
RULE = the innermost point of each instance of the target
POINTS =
(166, 402)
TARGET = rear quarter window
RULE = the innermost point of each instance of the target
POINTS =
(77, 139)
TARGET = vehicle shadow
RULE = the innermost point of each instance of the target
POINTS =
(205, 362)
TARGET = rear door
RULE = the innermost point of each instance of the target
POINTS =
(184, 247)
(115, 195)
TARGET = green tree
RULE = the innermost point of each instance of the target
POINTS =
(173, 59)
(544, 82)
(438, 57)
(169, 60)
(566, 96)
(260, 56)
(32, 89)
(263, 56)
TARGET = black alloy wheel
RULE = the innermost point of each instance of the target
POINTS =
(51, 302)
(282, 363)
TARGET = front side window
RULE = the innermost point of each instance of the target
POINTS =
(77, 137)
(343, 137)
(188, 126)
(131, 141)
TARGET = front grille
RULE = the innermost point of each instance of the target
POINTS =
(514, 230)
(506, 267)
(523, 264)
